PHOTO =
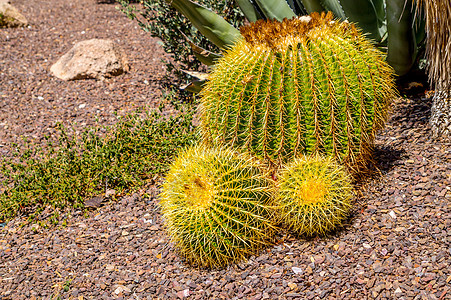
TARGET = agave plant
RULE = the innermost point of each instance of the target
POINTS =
(390, 24)
(438, 45)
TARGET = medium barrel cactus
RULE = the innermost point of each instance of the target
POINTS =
(217, 205)
(314, 195)
(304, 85)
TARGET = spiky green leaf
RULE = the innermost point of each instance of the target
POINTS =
(276, 9)
(313, 5)
(297, 7)
(335, 7)
(402, 48)
(214, 27)
(203, 55)
(368, 15)
(249, 10)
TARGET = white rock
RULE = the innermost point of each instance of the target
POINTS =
(296, 270)
(10, 16)
(392, 214)
(120, 288)
(96, 58)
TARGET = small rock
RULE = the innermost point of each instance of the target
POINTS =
(318, 259)
(94, 202)
(292, 285)
(110, 267)
(10, 16)
(377, 267)
(95, 59)
(121, 288)
(183, 294)
(296, 270)
(392, 214)
(110, 193)
(366, 246)
(360, 281)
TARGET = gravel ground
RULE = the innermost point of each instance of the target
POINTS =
(32, 101)
(396, 244)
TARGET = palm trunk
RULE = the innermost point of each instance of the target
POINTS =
(441, 114)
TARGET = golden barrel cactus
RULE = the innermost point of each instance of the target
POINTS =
(217, 205)
(314, 195)
(301, 86)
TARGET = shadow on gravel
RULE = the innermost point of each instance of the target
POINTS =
(385, 158)
(414, 112)
(415, 109)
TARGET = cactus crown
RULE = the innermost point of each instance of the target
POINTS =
(300, 86)
(273, 34)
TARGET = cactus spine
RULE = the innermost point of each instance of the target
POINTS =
(305, 85)
(217, 205)
(314, 195)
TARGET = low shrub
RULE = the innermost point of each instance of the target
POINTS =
(75, 168)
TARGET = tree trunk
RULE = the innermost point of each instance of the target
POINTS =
(441, 115)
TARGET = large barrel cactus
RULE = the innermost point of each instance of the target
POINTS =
(218, 206)
(304, 85)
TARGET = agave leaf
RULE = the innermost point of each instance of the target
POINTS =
(203, 55)
(192, 87)
(196, 85)
(297, 7)
(197, 75)
(401, 41)
(215, 28)
(313, 5)
(368, 14)
(420, 27)
(335, 7)
(276, 9)
(249, 10)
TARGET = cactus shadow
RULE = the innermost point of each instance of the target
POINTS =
(412, 112)
(415, 108)
(385, 159)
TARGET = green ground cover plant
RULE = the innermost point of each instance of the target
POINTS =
(71, 169)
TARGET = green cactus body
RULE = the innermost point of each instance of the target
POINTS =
(305, 85)
(314, 195)
(218, 206)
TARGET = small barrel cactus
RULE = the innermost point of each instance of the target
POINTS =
(301, 86)
(314, 195)
(218, 206)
